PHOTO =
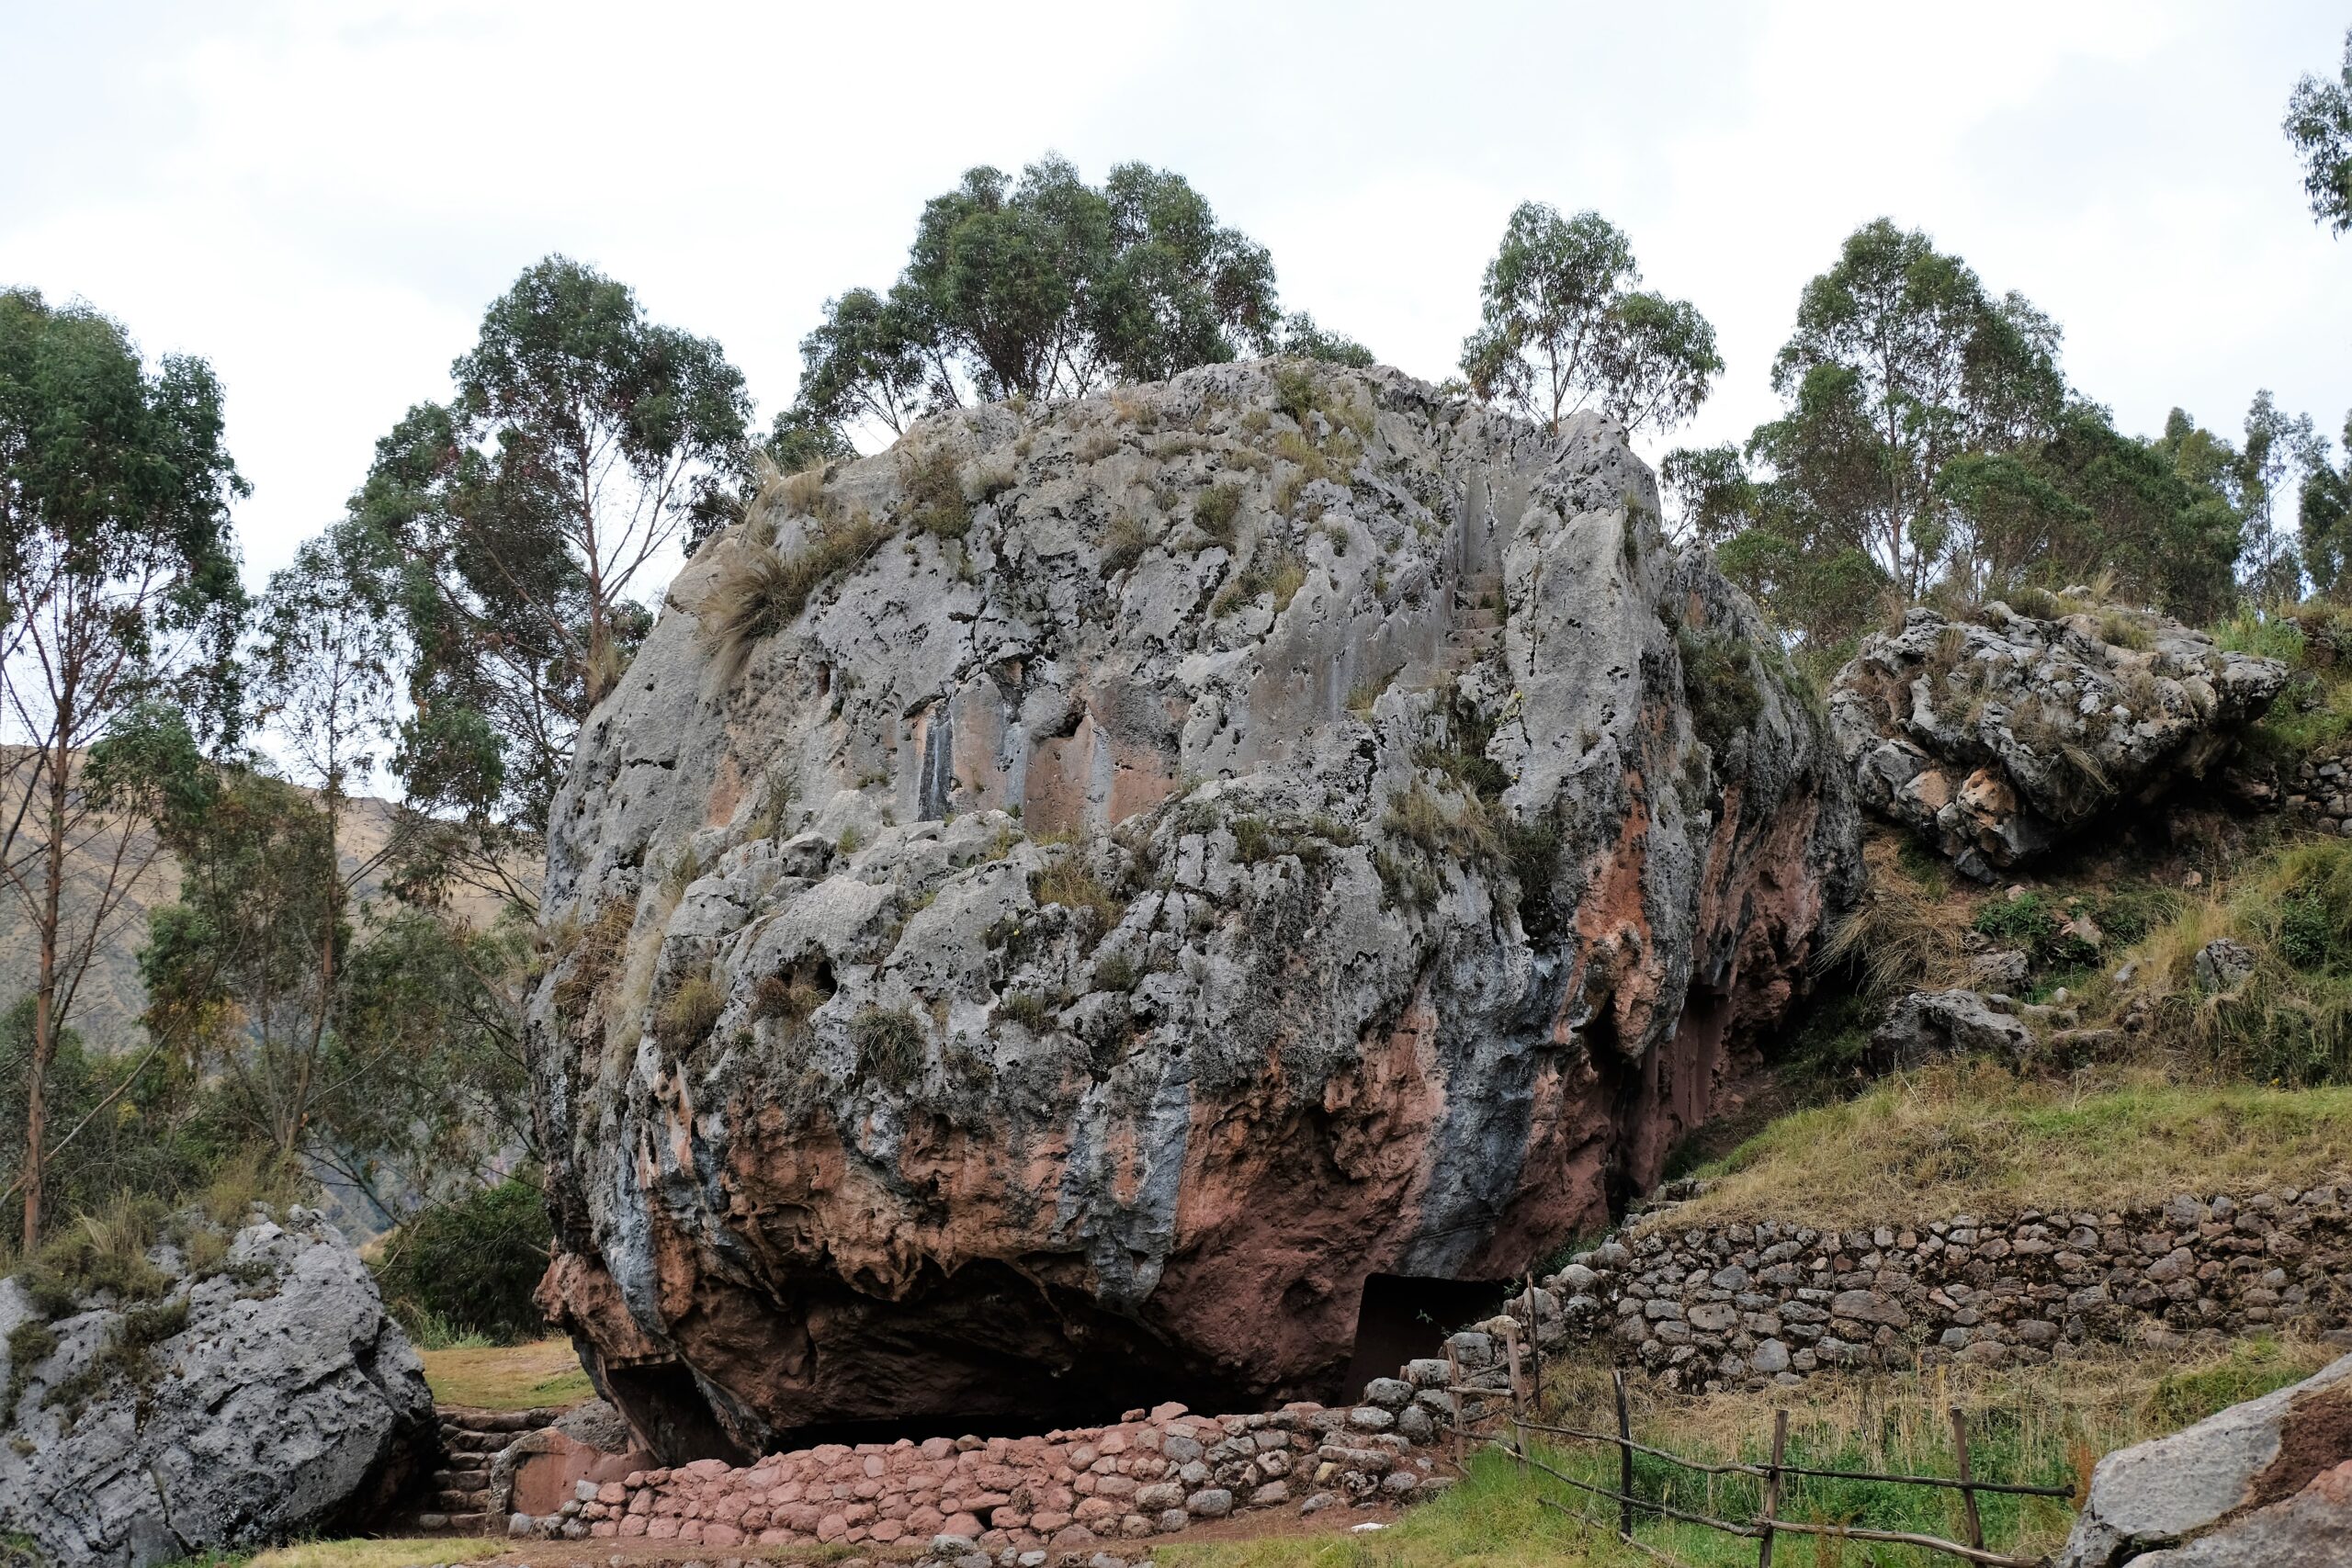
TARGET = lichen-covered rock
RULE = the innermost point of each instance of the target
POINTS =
(1926, 1025)
(1191, 851)
(1993, 737)
(267, 1396)
(2263, 1484)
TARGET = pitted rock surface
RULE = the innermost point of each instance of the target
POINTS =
(1994, 737)
(285, 1400)
(2267, 1482)
(1226, 841)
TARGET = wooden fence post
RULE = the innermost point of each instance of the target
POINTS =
(1518, 1408)
(1772, 1486)
(1535, 1342)
(1967, 1493)
(1624, 1459)
(1453, 1387)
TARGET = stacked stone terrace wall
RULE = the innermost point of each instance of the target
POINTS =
(1740, 1306)
(1152, 1474)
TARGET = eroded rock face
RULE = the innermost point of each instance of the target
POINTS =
(269, 1396)
(1227, 840)
(1994, 737)
(2268, 1481)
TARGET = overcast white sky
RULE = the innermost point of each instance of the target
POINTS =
(320, 198)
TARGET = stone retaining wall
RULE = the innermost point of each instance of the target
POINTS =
(1152, 1474)
(1740, 1306)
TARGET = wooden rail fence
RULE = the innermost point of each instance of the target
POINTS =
(1770, 1524)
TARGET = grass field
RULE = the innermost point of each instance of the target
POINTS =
(1974, 1137)
(507, 1377)
(389, 1554)
(2048, 1426)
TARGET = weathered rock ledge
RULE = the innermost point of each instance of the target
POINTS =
(1994, 737)
(1056, 908)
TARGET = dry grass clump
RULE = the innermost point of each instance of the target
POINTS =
(1905, 933)
(934, 483)
(104, 1249)
(1970, 1137)
(1214, 510)
(1124, 539)
(889, 1047)
(684, 1020)
(595, 952)
(759, 588)
(1276, 570)
(1068, 883)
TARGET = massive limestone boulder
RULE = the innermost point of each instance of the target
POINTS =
(1054, 908)
(2262, 1485)
(1994, 738)
(251, 1391)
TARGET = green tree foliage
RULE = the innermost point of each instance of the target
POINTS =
(2277, 447)
(119, 591)
(1302, 338)
(2319, 125)
(2326, 518)
(377, 1042)
(1042, 288)
(142, 1125)
(1562, 327)
(1900, 362)
(798, 440)
(1929, 445)
(519, 519)
(473, 1264)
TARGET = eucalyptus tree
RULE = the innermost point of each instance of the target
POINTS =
(2319, 127)
(1042, 288)
(1562, 328)
(119, 608)
(519, 523)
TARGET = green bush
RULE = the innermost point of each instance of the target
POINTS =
(1719, 684)
(472, 1265)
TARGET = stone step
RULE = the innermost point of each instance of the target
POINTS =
(470, 1479)
(458, 1502)
(467, 1437)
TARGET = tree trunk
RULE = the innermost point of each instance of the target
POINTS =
(45, 995)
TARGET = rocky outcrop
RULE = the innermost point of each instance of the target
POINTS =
(252, 1392)
(1056, 908)
(2261, 1485)
(1992, 738)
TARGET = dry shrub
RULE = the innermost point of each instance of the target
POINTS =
(596, 954)
(935, 485)
(1904, 936)
(1068, 883)
(1279, 570)
(684, 1020)
(760, 589)
(1123, 543)
(890, 1046)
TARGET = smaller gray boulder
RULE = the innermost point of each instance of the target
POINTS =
(265, 1396)
(1926, 1025)
(2261, 1485)
(2222, 964)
